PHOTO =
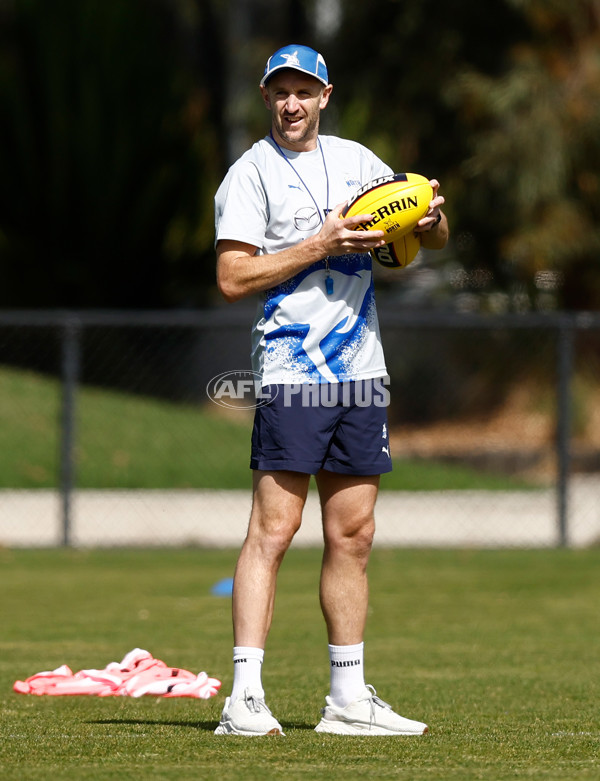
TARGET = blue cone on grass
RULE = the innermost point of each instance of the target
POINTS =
(222, 588)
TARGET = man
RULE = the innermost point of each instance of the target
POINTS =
(316, 345)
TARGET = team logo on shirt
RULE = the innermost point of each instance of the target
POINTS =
(306, 219)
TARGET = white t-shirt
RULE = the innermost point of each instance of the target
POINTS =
(303, 333)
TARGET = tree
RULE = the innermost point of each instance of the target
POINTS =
(499, 100)
(110, 142)
(535, 153)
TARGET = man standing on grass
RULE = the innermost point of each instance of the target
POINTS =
(317, 348)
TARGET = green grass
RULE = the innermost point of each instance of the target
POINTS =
(497, 650)
(127, 441)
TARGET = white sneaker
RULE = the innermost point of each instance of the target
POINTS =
(367, 715)
(249, 716)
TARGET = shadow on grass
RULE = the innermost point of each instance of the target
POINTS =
(206, 726)
(192, 724)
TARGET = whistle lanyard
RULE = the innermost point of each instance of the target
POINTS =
(328, 278)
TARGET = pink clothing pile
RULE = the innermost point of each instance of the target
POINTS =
(137, 674)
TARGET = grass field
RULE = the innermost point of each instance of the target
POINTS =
(497, 650)
(128, 441)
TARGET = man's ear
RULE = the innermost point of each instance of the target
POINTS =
(325, 96)
(265, 96)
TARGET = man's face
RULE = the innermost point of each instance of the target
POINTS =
(295, 101)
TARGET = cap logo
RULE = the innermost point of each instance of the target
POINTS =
(292, 59)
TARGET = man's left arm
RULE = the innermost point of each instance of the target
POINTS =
(433, 228)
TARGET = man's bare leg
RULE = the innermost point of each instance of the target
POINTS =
(278, 501)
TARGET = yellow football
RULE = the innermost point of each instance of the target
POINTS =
(396, 202)
(399, 253)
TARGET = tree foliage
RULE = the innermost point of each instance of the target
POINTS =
(535, 150)
(119, 119)
(108, 135)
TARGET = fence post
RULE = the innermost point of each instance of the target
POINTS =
(563, 424)
(70, 371)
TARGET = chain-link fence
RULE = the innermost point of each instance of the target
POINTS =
(109, 437)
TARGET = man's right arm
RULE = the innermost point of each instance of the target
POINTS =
(241, 272)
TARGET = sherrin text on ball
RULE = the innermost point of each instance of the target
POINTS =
(396, 203)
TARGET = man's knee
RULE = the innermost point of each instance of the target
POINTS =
(353, 537)
(273, 535)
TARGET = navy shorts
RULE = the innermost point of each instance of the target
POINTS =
(340, 427)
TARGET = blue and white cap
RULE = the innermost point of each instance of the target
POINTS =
(297, 57)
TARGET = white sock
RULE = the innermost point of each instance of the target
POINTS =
(247, 664)
(346, 673)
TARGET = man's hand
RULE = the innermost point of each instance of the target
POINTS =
(338, 237)
(432, 229)
(430, 220)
